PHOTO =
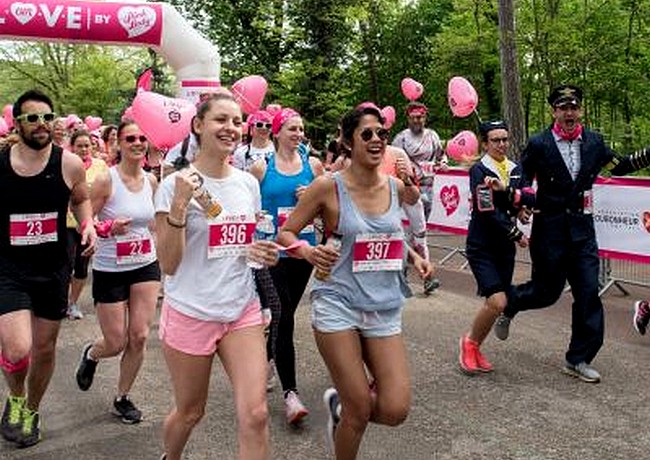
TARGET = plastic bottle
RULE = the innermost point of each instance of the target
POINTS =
(334, 241)
(210, 206)
(264, 231)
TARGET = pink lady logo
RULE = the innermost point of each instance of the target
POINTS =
(23, 12)
(450, 198)
(136, 20)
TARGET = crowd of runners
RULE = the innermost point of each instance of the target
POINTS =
(228, 227)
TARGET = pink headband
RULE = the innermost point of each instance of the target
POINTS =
(368, 105)
(260, 115)
(281, 118)
(417, 111)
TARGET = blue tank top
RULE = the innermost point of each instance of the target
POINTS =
(279, 194)
(372, 290)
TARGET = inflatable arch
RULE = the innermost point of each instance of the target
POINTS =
(195, 60)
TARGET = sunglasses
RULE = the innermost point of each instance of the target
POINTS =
(366, 134)
(132, 138)
(34, 117)
(260, 125)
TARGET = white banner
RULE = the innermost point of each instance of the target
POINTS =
(621, 212)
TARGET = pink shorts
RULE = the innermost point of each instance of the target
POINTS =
(198, 337)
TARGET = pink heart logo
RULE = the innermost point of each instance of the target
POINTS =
(23, 12)
(450, 198)
(136, 20)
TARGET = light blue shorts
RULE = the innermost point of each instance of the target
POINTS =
(330, 314)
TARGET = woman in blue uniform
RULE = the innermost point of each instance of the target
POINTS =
(497, 199)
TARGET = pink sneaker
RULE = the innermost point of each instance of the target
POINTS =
(467, 356)
(294, 408)
(483, 364)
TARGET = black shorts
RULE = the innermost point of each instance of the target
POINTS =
(45, 294)
(111, 287)
(493, 272)
(79, 262)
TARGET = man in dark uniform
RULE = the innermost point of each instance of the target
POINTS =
(38, 180)
(565, 159)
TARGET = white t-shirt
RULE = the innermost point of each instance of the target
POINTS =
(244, 158)
(212, 289)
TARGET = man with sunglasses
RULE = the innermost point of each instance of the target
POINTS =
(565, 159)
(424, 148)
(41, 179)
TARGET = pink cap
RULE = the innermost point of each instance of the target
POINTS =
(281, 118)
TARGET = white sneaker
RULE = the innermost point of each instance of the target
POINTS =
(294, 408)
(74, 312)
(270, 376)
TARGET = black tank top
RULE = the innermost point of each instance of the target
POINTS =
(33, 216)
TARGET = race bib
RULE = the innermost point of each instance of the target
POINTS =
(588, 202)
(230, 236)
(283, 215)
(133, 249)
(31, 229)
(428, 168)
(374, 252)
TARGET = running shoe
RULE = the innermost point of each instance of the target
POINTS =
(30, 433)
(481, 361)
(74, 312)
(430, 285)
(294, 409)
(86, 369)
(641, 316)
(502, 327)
(467, 356)
(582, 371)
(126, 410)
(12, 418)
(333, 408)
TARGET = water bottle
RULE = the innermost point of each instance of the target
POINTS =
(210, 206)
(334, 241)
(264, 231)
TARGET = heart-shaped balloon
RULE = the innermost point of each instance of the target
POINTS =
(462, 97)
(92, 123)
(128, 114)
(463, 147)
(412, 89)
(164, 120)
(4, 129)
(272, 109)
(7, 115)
(388, 113)
(249, 92)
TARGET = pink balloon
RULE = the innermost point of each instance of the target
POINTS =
(4, 129)
(249, 92)
(8, 116)
(463, 147)
(272, 109)
(71, 120)
(462, 97)
(388, 113)
(128, 114)
(164, 120)
(92, 123)
(412, 89)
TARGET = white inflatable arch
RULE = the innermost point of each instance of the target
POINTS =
(195, 60)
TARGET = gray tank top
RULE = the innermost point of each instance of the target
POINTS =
(365, 290)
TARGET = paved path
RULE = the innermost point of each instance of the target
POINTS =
(525, 410)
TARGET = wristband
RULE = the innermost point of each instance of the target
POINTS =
(104, 228)
(176, 223)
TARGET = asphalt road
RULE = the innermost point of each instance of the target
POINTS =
(527, 409)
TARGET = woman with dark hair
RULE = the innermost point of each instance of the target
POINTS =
(211, 308)
(493, 235)
(109, 136)
(81, 144)
(282, 182)
(358, 298)
(126, 275)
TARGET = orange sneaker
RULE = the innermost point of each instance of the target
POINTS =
(483, 364)
(467, 356)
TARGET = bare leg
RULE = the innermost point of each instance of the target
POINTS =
(16, 344)
(76, 287)
(45, 334)
(485, 317)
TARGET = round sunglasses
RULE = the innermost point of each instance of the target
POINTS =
(366, 134)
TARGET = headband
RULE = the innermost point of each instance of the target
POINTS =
(281, 118)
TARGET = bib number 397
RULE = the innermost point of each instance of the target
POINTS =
(31, 229)
(375, 252)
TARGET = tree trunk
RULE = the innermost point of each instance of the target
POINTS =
(510, 81)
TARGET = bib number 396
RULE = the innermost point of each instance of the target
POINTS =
(230, 239)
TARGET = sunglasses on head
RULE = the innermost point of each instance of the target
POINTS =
(34, 117)
(260, 125)
(132, 138)
(366, 134)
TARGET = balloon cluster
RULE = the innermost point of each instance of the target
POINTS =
(463, 100)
